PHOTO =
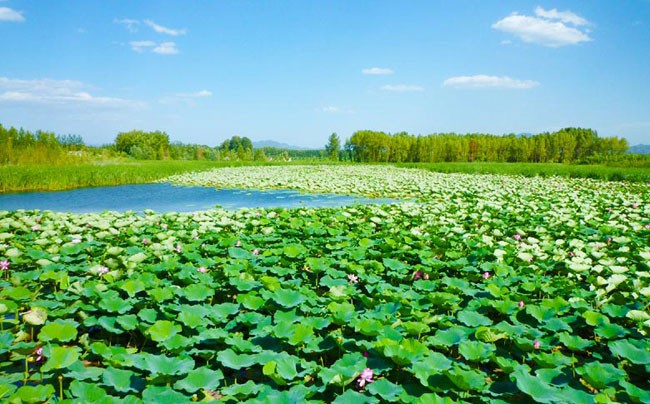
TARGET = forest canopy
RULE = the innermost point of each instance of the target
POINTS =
(564, 146)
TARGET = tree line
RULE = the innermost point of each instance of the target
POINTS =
(567, 145)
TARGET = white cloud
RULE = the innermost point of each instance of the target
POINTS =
(377, 71)
(185, 97)
(166, 48)
(403, 88)
(140, 46)
(331, 109)
(484, 81)
(548, 28)
(164, 30)
(564, 16)
(8, 14)
(49, 92)
(129, 24)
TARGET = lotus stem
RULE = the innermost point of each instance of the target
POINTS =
(61, 387)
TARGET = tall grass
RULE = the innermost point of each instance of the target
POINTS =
(53, 178)
(602, 172)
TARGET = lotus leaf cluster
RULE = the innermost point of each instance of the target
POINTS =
(476, 288)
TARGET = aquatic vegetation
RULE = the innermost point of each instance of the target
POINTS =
(480, 288)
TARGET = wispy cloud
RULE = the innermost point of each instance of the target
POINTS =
(129, 24)
(564, 16)
(377, 71)
(548, 27)
(164, 30)
(189, 98)
(166, 48)
(403, 88)
(163, 48)
(484, 81)
(61, 93)
(336, 110)
(141, 46)
(8, 14)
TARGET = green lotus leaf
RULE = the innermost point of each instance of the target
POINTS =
(163, 394)
(58, 331)
(163, 365)
(574, 342)
(78, 371)
(535, 387)
(631, 350)
(476, 351)
(60, 357)
(600, 375)
(466, 380)
(450, 336)
(344, 370)
(294, 250)
(35, 316)
(354, 397)
(202, 378)
(33, 394)
(198, 292)
(241, 391)
(434, 363)
(473, 319)
(232, 360)
(119, 379)
(287, 297)
(250, 301)
(163, 329)
(386, 390)
(487, 334)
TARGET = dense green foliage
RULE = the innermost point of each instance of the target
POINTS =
(485, 289)
(565, 146)
(18, 146)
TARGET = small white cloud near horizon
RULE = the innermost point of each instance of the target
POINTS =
(548, 27)
(185, 97)
(166, 48)
(403, 88)
(336, 110)
(57, 93)
(9, 14)
(485, 81)
(377, 71)
(164, 30)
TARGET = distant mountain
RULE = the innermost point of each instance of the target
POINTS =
(277, 145)
(640, 149)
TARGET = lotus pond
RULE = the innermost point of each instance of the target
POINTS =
(164, 197)
(484, 289)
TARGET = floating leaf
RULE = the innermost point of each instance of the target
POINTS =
(58, 331)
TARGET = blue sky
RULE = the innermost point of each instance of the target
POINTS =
(296, 71)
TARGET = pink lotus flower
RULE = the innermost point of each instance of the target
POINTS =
(76, 241)
(4, 265)
(486, 275)
(520, 304)
(425, 277)
(164, 226)
(536, 344)
(365, 354)
(635, 205)
(517, 237)
(35, 227)
(365, 377)
(647, 226)
(238, 243)
(145, 241)
(102, 271)
(609, 239)
(202, 269)
(256, 251)
(571, 254)
(417, 275)
(353, 278)
(39, 354)
(179, 248)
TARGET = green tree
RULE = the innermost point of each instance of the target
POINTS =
(333, 147)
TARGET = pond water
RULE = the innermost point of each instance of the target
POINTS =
(170, 198)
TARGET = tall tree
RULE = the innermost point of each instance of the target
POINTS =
(333, 147)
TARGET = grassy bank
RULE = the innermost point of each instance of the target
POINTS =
(602, 172)
(53, 178)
